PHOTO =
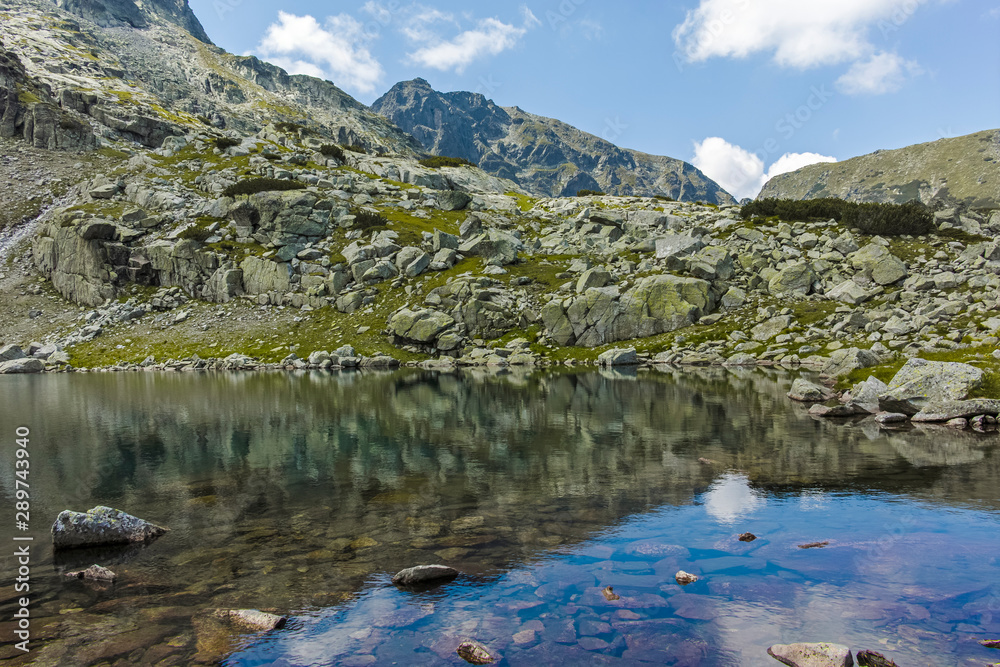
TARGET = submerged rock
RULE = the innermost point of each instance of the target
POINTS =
(100, 526)
(475, 653)
(94, 573)
(873, 659)
(814, 545)
(422, 574)
(822, 654)
(609, 594)
(253, 620)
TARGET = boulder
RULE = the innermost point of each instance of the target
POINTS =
(820, 654)
(596, 277)
(873, 659)
(920, 382)
(768, 329)
(444, 240)
(948, 410)
(865, 394)
(849, 292)
(795, 280)
(94, 573)
(684, 578)
(423, 574)
(677, 245)
(11, 353)
(224, 285)
(809, 392)
(252, 620)
(883, 267)
(421, 326)
(475, 653)
(618, 357)
(22, 366)
(101, 526)
(453, 200)
(842, 362)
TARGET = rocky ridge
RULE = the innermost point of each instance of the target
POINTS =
(545, 156)
(960, 171)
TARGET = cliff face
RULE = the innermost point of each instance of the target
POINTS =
(546, 156)
(144, 71)
(961, 170)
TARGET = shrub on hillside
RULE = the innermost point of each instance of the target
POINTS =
(195, 233)
(368, 219)
(252, 186)
(332, 150)
(664, 198)
(439, 161)
(222, 143)
(354, 148)
(589, 193)
(883, 219)
(291, 128)
(890, 219)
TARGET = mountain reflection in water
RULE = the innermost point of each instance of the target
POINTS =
(303, 493)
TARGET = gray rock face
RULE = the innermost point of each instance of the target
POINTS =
(883, 267)
(865, 394)
(21, 366)
(768, 329)
(11, 353)
(820, 654)
(252, 620)
(808, 392)
(795, 280)
(618, 357)
(849, 292)
(677, 245)
(920, 382)
(948, 410)
(657, 304)
(592, 278)
(423, 574)
(545, 156)
(421, 326)
(261, 276)
(453, 200)
(101, 526)
(842, 362)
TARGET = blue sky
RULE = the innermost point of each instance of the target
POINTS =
(742, 88)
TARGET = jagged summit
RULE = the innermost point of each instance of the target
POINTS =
(109, 13)
(544, 155)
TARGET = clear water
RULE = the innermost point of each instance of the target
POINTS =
(303, 494)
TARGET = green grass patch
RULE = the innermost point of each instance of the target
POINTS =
(438, 161)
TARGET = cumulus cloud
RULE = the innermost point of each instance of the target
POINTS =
(741, 172)
(797, 34)
(337, 50)
(882, 73)
(491, 36)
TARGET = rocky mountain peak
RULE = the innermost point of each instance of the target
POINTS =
(137, 14)
(541, 154)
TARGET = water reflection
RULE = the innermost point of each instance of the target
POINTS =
(302, 492)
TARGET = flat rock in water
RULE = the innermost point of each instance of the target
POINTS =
(253, 620)
(609, 594)
(822, 654)
(873, 659)
(747, 537)
(891, 418)
(990, 643)
(475, 653)
(948, 410)
(101, 526)
(94, 573)
(830, 412)
(422, 574)
(814, 545)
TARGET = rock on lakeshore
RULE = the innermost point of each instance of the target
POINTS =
(253, 620)
(423, 574)
(94, 573)
(822, 654)
(101, 526)
(920, 382)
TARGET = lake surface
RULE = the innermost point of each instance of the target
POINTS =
(303, 493)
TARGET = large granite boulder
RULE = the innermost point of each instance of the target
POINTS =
(920, 382)
(821, 654)
(421, 326)
(794, 280)
(21, 366)
(876, 260)
(101, 526)
(842, 362)
(424, 574)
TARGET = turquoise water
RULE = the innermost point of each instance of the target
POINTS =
(303, 493)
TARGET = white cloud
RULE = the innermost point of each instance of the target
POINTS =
(741, 172)
(490, 37)
(797, 34)
(882, 73)
(337, 50)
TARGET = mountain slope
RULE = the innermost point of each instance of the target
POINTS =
(544, 155)
(143, 72)
(960, 170)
